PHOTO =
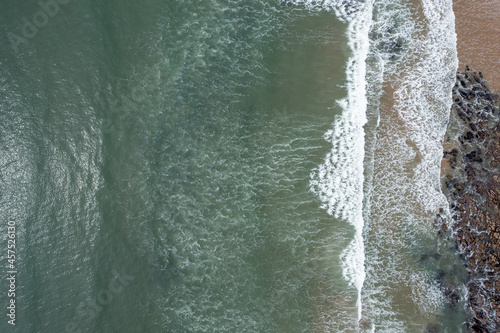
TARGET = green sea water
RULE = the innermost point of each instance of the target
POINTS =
(156, 158)
(162, 160)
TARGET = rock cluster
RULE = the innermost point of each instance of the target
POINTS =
(473, 191)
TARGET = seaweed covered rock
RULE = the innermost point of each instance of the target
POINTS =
(473, 190)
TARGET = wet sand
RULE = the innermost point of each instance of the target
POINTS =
(477, 24)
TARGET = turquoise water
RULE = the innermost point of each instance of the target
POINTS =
(158, 157)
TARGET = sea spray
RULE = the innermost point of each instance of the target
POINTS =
(339, 180)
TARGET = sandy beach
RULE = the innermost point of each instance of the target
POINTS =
(478, 29)
(477, 24)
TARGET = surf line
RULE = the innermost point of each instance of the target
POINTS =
(339, 181)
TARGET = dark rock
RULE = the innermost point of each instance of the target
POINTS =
(432, 328)
(440, 276)
(474, 156)
(469, 136)
(476, 207)
(436, 256)
(452, 294)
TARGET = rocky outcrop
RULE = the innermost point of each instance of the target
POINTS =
(473, 189)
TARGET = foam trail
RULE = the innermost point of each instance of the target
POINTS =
(346, 10)
(339, 180)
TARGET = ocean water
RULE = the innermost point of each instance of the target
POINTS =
(226, 166)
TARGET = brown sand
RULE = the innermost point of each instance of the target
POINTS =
(477, 23)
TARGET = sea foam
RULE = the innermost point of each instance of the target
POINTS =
(346, 10)
(339, 180)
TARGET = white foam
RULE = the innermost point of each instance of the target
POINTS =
(339, 180)
(346, 10)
